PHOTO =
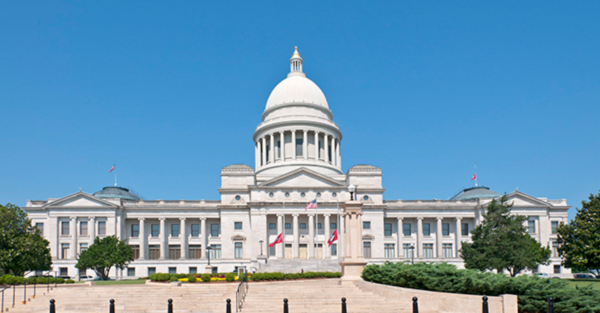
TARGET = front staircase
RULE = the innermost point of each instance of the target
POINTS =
(298, 265)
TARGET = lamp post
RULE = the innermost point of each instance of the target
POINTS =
(261, 244)
(412, 253)
(208, 248)
(352, 189)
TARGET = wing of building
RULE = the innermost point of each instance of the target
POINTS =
(297, 159)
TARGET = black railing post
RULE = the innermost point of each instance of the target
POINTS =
(55, 280)
(2, 300)
(111, 306)
(415, 305)
(48, 284)
(14, 292)
(285, 306)
(52, 308)
(34, 285)
(25, 291)
(486, 308)
(550, 305)
(228, 306)
(344, 306)
(170, 306)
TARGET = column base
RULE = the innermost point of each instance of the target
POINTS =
(352, 268)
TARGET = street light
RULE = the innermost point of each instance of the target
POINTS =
(208, 248)
(412, 253)
(352, 189)
(261, 244)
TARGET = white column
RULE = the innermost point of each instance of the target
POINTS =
(311, 236)
(142, 237)
(295, 243)
(92, 228)
(316, 145)
(282, 135)
(119, 224)
(279, 252)
(400, 238)
(326, 249)
(333, 155)
(73, 231)
(325, 147)
(204, 237)
(419, 237)
(305, 144)
(264, 152)
(183, 238)
(458, 236)
(339, 155)
(439, 236)
(162, 238)
(256, 155)
(294, 144)
(272, 150)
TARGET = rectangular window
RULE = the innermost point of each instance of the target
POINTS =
(268, 151)
(447, 250)
(554, 226)
(214, 230)
(367, 249)
(136, 251)
(428, 250)
(272, 251)
(366, 225)
(334, 249)
(333, 226)
(153, 252)
(531, 227)
(302, 225)
(389, 250)
(238, 225)
(40, 226)
(151, 270)
(172, 270)
(174, 230)
(445, 229)
(195, 251)
(387, 229)
(101, 228)
(83, 247)
(155, 229)
(64, 251)
(465, 229)
(556, 269)
(278, 145)
(406, 229)
(271, 225)
(135, 230)
(288, 226)
(64, 228)
(63, 271)
(319, 226)
(329, 152)
(174, 252)
(320, 148)
(131, 271)
(298, 147)
(426, 229)
(195, 230)
(239, 250)
(215, 252)
(554, 249)
(193, 270)
(408, 250)
(83, 228)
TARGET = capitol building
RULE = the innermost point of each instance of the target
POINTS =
(298, 158)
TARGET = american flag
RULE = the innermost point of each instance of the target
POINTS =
(311, 205)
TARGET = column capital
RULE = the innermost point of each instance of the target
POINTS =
(202, 218)
(73, 217)
(420, 218)
(92, 218)
(161, 218)
(305, 130)
(295, 215)
(182, 218)
(141, 218)
(439, 218)
(459, 218)
(311, 214)
(327, 215)
(279, 214)
(400, 218)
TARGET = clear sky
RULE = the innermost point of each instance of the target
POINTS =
(174, 90)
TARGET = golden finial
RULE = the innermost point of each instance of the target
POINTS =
(296, 54)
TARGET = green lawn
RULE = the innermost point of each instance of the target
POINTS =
(120, 282)
(584, 282)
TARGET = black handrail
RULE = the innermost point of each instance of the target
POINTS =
(240, 294)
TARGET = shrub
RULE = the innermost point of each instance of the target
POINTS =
(192, 279)
(230, 277)
(41, 280)
(60, 280)
(173, 278)
(11, 280)
(70, 281)
(205, 278)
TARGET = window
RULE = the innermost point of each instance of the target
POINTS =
(387, 229)
(136, 251)
(214, 230)
(64, 271)
(195, 251)
(366, 225)
(268, 151)
(428, 250)
(407, 250)
(155, 228)
(329, 153)
(83, 247)
(447, 250)
(172, 270)
(83, 228)
(426, 229)
(278, 145)
(151, 270)
(238, 225)
(406, 229)
(131, 271)
(367, 249)
(64, 228)
(193, 270)
(554, 226)
(102, 228)
(302, 225)
(239, 250)
(556, 269)
(195, 230)
(465, 229)
(531, 227)
(40, 226)
(333, 225)
(554, 249)
(64, 248)
(135, 230)
(334, 249)
(389, 250)
(271, 225)
(174, 252)
(215, 252)
(174, 230)
(320, 148)
(445, 229)
(272, 251)
(153, 252)
(288, 226)
(298, 146)
(319, 226)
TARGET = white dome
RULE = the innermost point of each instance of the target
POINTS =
(297, 89)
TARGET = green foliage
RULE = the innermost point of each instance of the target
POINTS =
(70, 281)
(205, 278)
(291, 276)
(22, 246)
(230, 277)
(60, 280)
(501, 243)
(531, 290)
(579, 241)
(173, 279)
(41, 280)
(105, 253)
(192, 279)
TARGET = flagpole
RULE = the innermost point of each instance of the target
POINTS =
(337, 227)
(475, 165)
(283, 238)
(317, 234)
(115, 173)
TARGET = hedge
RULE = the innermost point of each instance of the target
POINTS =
(532, 291)
(291, 276)
(18, 280)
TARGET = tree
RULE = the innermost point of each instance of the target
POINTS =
(22, 246)
(105, 253)
(579, 241)
(501, 242)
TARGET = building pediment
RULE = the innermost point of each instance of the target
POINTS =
(519, 199)
(238, 237)
(81, 200)
(303, 177)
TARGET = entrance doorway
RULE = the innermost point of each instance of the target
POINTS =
(288, 251)
(319, 253)
(303, 251)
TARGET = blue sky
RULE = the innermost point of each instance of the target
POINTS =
(174, 90)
